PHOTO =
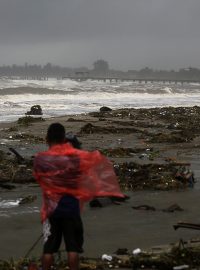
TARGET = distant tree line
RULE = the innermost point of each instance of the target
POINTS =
(100, 68)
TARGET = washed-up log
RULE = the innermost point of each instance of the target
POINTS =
(144, 207)
(20, 159)
(187, 225)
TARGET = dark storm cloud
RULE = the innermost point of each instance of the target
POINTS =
(126, 32)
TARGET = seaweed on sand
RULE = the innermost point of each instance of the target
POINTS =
(164, 260)
(133, 176)
(28, 120)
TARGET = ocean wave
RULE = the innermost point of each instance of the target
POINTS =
(32, 90)
(11, 104)
(69, 97)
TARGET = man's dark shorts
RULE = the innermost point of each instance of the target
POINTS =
(71, 228)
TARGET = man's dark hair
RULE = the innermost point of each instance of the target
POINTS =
(56, 133)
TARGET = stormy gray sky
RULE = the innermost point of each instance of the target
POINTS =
(129, 34)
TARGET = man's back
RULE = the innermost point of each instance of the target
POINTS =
(68, 176)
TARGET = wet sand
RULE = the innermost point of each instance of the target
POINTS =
(106, 229)
(115, 226)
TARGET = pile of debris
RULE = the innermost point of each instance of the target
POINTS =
(26, 137)
(134, 176)
(175, 256)
(14, 170)
(125, 152)
(131, 175)
(28, 120)
(90, 129)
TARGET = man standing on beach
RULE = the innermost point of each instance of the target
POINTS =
(69, 177)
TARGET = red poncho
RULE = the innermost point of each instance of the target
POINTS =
(65, 170)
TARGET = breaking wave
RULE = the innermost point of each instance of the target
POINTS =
(60, 97)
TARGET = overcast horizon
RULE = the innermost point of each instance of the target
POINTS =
(129, 34)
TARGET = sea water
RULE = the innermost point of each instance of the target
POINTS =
(64, 97)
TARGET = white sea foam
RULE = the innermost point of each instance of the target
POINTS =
(10, 207)
(9, 203)
(60, 97)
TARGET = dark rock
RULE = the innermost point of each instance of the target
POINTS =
(35, 110)
(105, 109)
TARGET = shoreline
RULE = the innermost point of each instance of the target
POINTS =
(141, 143)
(64, 115)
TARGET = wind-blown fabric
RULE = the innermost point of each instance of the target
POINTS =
(65, 170)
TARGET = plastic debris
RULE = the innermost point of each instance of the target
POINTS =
(106, 257)
(180, 267)
(137, 251)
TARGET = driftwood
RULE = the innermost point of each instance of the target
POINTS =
(20, 159)
(186, 225)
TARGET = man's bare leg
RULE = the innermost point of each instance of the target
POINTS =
(47, 261)
(73, 260)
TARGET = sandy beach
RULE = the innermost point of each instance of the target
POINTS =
(154, 140)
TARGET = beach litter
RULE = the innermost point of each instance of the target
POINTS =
(134, 176)
(28, 120)
(173, 256)
(172, 208)
(106, 257)
(180, 267)
(137, 251)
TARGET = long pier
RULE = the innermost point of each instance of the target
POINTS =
(110, 79)
(123, 79)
